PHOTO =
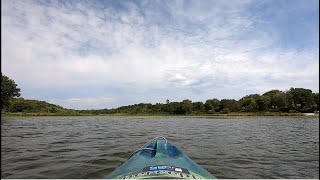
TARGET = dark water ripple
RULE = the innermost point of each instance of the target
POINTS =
(91, 147)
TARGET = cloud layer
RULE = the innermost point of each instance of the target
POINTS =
(148, 51)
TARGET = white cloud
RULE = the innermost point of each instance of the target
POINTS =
(61, 46)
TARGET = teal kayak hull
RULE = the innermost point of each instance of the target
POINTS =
(159, 159)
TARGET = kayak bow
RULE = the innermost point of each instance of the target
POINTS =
(159, 159)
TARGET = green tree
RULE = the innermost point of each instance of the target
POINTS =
(156, 108)
(208, 106)
(316, 100)
(225, 111)
(263, 102)
(9, 90)
(249, 103)
(212, 105)
(177, 108)
(186, 106)
(301, 99)
(231, 104)
(198, 107)
(277, 100)
(215, 104)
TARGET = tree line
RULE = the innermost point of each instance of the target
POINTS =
(293, 100)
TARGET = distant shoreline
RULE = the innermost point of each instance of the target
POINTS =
(262, 114)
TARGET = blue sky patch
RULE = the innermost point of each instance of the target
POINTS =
(104, 54)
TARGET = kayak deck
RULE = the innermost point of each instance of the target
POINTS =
(159, 159)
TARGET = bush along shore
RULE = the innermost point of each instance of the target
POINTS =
(293, 102)
(231, 114)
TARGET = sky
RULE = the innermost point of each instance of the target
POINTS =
(92, 54)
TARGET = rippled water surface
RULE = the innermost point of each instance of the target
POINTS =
(91, 147)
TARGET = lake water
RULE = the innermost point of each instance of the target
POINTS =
(91, 147)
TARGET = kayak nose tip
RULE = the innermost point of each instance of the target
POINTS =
(164, 148)
(160, 147)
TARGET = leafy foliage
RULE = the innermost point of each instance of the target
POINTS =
(20, 105)
(295, 100)
(9, 90)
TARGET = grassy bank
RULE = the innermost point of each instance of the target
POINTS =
(9, 114)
